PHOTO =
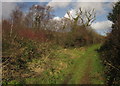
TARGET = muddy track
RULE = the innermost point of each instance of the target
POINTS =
(86, 77)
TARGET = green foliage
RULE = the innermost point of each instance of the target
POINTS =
(80, 36)
(110, 50)
(113, 16)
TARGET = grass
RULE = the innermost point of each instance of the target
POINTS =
(98, 70)
(56, 70)
(66, 66)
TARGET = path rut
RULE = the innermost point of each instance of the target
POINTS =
(86, 77)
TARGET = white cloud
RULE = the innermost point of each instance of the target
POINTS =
(11, 0)
(36, 0)
(25, 0)
(7, 9)
(98, 6)
(57, 18)
(103, 25)
(96, 1)
(59, 0)
(40, 0)
(59, 3)
(62, 0)
(72, 13)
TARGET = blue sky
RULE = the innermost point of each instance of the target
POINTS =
(101, 24)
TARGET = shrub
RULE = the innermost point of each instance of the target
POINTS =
(110, 50)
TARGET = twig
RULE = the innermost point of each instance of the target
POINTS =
(112, 65)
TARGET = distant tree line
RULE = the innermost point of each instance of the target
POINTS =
(41, 26)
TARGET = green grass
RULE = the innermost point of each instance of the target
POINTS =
(98, 69)
(68, 63)
(54, 76)
(55, 73)
(80, 64)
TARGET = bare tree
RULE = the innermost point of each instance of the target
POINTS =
(90, 16)
(83, 17)
(16, 16)
(40, 15)
(28, 20)
(16, 19)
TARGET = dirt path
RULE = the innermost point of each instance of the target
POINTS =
(85, 69)
(82, 68)
(86, 77)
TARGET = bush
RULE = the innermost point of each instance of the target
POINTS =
(110, 50)
(16, 53)
(79, 36)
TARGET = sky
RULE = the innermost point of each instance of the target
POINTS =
(102, 7)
